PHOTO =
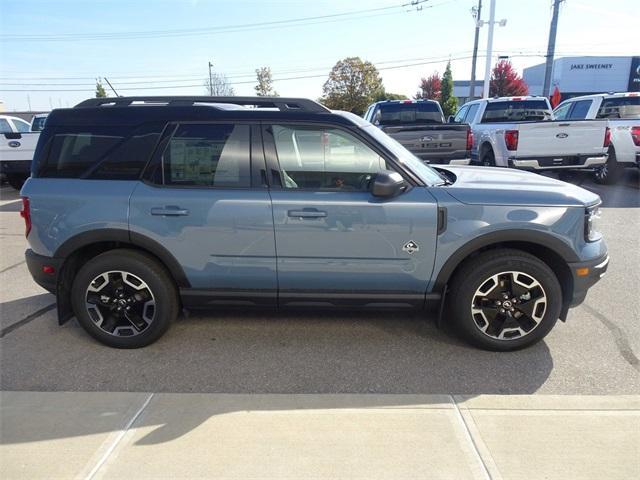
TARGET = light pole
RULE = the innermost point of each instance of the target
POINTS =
(210, 80)
(476, 12)
(491, 22)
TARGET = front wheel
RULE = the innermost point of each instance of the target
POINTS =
(124, 299)
(504, 300)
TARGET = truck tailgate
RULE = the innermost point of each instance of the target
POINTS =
(18, 146)
(431, 142)
(561, 138)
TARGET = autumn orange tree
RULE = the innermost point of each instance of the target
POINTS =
(429, 87)
(505, 81)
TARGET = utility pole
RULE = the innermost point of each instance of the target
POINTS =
(487, 68)
(29, 101)
(210, 80)
(551, 48)
(476, 15)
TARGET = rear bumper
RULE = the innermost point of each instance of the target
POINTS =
(582, 283)
(36, 264)
(558, 163)
(9, 167)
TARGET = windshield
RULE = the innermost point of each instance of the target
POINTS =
(516, 111)
(408, 113)
(427, 174)
(621, 107)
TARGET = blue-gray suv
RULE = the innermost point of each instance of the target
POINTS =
(139, 207)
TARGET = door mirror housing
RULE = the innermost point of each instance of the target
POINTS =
(451, 119)
(388, 184)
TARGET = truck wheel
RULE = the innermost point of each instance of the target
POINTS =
(610, 172)
(124, 299)
(488, 158)
(16, 181)
(504, 300)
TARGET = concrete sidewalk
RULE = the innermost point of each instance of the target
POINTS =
(223, 436)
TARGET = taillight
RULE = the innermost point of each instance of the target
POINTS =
(635, 135)
(26, 214)
(511, 139)
(469, 139)
(607, 137)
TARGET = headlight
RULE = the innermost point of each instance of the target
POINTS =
(591, 219)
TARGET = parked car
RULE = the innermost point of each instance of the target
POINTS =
(161, 203)
(622, 111)
(37, 122)
(420, 127)
(519, 132)
(17, 145)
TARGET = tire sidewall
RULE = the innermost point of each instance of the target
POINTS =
(148, 271)
(466, 287)
(613, 170)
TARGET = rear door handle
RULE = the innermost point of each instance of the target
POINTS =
(307, 213)
(170, 210)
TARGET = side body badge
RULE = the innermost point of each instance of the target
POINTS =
(410, 247)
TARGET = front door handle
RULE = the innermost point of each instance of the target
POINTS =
(307, 213)
(170, 210)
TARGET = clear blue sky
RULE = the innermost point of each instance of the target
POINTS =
(67, 55)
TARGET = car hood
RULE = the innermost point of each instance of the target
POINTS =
(503, 186)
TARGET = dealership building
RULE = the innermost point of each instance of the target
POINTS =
(574, 76)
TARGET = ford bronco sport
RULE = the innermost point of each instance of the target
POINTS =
(138, 207)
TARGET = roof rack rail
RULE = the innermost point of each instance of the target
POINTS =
(281, 103)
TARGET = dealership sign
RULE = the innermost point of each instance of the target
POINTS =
(634, 75)
(591, 66)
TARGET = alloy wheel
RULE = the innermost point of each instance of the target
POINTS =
(508, 305)
(120, 303)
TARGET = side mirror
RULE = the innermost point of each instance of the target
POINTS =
(388, 184)
(451, 119)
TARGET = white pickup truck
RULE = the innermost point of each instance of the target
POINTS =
(520, 132)
(622, 112)
(17, 145)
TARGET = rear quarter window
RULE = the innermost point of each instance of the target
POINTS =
(107, 153)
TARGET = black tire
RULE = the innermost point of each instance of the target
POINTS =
(159, 287)
(16, 181)
(488, 158)
(480, 271)
(610, 172)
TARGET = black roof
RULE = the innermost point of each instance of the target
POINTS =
(136, 110)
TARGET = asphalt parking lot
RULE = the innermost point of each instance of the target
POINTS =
(596, 351)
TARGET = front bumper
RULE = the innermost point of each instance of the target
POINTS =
(36, 265)
(559, 163)
(586, 275)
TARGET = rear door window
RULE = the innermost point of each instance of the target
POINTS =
(516, 111)
(471, 114)
(208, 155)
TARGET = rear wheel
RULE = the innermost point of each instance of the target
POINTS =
(488, 158)
(16, 180)
(610, 172)
(504, 300)
(124, 299)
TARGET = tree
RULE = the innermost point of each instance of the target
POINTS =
(264, 88)
(384, 95)
(100, 91)
(448, 102)
(219, 86)
(505, 81)
(429, 87)
(352, 85)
